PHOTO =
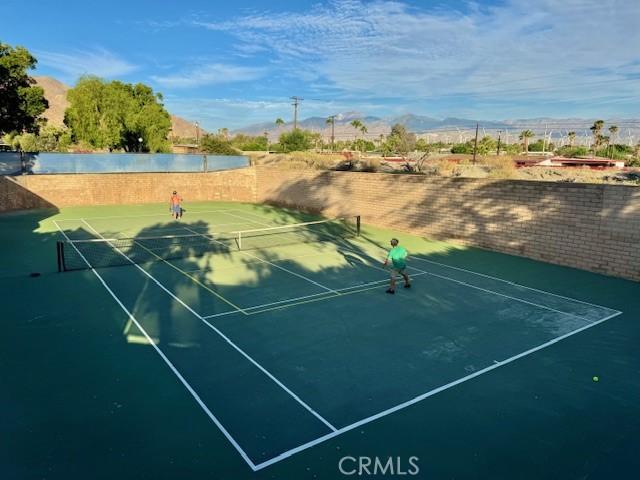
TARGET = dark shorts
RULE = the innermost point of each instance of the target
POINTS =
(397, 271)
(176, 209)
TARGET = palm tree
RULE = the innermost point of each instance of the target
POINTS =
(331, 121)
(596, 128)
(279, 124)
(605, 140)
(364, 130)
(571, 136)
(357, 124)
(613, 129)
(525, 135)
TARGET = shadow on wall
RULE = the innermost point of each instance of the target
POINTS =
(13, 196)
(321, 193)
(592, 227)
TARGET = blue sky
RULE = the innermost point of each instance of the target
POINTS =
(229, 64)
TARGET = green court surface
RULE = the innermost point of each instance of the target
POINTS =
(280, 359)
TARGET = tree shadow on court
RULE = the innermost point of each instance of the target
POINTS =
(103, 351)
(560, 223)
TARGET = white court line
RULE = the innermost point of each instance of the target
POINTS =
(480, 288)
(425, 395)
(412, 257)
(517, 299)
(203, 227)
(227, 339)
(227, 212)
(268, 262)
(513, 283)
(295, 299)
(140, 216)
(232, 267)
(184, 382)
(419, 398)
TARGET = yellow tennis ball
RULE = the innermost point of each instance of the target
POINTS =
(595, 379)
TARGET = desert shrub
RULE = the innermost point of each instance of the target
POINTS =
(501, 167)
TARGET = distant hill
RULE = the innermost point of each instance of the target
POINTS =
(56, 94)
(181, 128)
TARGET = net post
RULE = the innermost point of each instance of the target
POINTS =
(60, 255)
(357, 225)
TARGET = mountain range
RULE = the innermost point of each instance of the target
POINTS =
(446, 129)
(450, 128)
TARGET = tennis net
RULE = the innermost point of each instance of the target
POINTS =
(101, 252)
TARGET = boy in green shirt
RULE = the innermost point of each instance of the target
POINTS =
(398, 257)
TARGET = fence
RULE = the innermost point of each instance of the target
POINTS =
(57, 163)
(10, 163)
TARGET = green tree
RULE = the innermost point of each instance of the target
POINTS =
(572, 152)
(423, 145)
(525, 135)
(363, 145)
(539, 145)
(216, 144)
(295, 141)
(28, 142)
(572, 137)
(116, 116)
(21, 102)
(279, 122)
(399, 141)
(249, 143)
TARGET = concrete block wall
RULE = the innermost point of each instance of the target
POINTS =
(127, 188)
(592, 227)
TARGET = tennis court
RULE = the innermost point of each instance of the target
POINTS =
(247, 341)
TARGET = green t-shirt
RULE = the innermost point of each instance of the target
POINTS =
(398, 256)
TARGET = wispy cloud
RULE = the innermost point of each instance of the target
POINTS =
(518, 49)
(213, 113)
(209, 74)
(98, 61)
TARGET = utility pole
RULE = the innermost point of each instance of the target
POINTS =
(475, 145)
(197, 134)
(499, 132)
(296, 102)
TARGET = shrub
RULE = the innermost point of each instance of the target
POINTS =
(217, 145)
